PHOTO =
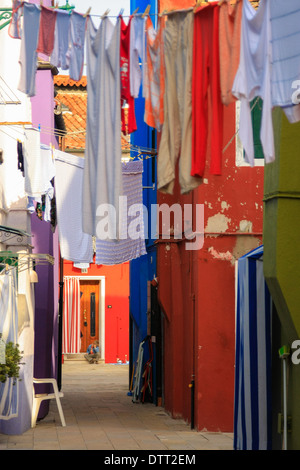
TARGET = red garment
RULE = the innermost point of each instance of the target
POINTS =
(47, 29)
(205, 85)
(129, 124)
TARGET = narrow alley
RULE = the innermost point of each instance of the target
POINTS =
(100, 415)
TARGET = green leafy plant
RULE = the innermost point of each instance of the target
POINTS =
(13, 358)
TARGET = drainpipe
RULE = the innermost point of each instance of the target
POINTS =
(284, 353)
(192, 384)
(60, 322)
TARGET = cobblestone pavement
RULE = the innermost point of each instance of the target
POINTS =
(100, 415)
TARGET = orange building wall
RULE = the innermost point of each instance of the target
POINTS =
(116, 296)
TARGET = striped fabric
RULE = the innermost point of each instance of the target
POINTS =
(252, 404)
(71, 316)
(9, 393)
(110, 252)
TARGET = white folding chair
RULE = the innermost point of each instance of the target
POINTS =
(39, 397)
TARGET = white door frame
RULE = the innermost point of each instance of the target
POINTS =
(101, 309)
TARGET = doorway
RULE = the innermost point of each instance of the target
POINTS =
(89, 308)
(92, 324)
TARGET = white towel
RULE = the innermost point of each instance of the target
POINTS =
(38, 164)
(75, 245)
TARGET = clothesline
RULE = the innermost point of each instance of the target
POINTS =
(59, 133)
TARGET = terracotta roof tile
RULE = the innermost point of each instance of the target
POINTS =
(65, 80)
(73, 104)
(73, 101)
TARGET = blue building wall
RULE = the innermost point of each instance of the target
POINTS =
(143, 269)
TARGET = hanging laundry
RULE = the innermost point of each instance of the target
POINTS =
(14, 27)
(137, 53)
(71, 342)
(230, 19)
(285, 71)
(75, 245)
(253, 78)
(75, 53)
(176, 138)
(39, 166)
(20, 157)
(132, 245)
(129, 122)
(28, 54)
(205, 88)
(46, 32)
(61, 40)
(154, 74)
(102, 184)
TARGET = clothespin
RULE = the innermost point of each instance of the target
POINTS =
(88, 12)
(121, 12)
(105, 14)
(199, 3)
(164, 12)
(135, 11)
(146, 12)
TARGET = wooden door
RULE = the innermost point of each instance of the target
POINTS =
(89, 313)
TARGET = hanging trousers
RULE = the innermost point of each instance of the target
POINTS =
(176, 138)
(207, 108)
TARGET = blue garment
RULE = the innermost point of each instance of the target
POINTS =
(137, 53)
(14, 29)
(29, 42)
(285, 76)
(61, 43)
(102, 184)
(75, 54)
(95, 350)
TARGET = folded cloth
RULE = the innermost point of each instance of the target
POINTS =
(75, 245)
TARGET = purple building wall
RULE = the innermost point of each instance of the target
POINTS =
(45, 241)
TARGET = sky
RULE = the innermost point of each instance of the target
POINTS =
(98, 7)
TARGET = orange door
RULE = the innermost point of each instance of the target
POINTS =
(89, 308)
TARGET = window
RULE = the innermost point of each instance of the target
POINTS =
(256, 110)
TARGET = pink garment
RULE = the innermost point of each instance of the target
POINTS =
(230, 19)
(129, 123)
(46, 33)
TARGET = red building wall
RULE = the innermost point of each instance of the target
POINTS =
(116, 306)
(197, 290)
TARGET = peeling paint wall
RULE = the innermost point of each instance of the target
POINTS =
(197, 289)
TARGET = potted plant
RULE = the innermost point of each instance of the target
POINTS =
(11, 367)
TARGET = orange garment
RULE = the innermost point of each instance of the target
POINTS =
(230, 18)
(207, 107)
(154, 78)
